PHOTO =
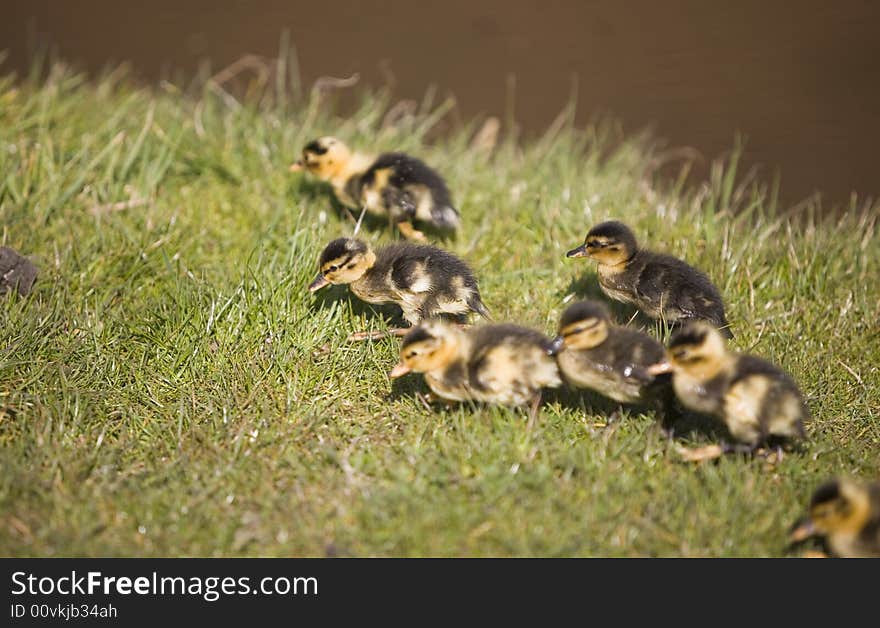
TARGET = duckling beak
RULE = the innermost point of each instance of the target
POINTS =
(296, 166)
(659, 368)
(319, 282)
(801, 531)
(557, 345)
(399, 370)
(580, 251)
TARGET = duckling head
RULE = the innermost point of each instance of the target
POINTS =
(697, 349)
(430, 346)
(323, 157)
(609, 243)
(583, 325)
(838, 506)
(343, 261)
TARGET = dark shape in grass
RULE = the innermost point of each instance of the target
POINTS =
(391, 313)
(16, 272)
(317, 192)
(586, 286)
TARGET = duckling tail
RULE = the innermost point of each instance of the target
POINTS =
(446, 217)
(477, 305)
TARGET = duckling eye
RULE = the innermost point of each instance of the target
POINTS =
(333, 268)
(410, 355)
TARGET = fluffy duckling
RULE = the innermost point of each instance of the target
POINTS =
(332, 161)
(406, 189)
(594, 353)
(847, 514)
(661, 286)
(16, 272)
(423, 280)
(499, 364)
(756, 400)
(395, 185)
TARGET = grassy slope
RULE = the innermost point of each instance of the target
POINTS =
(170, 394)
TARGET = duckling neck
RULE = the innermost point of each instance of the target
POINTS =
(356, 165)
(361, 285)
(860, 512)
(711, 370)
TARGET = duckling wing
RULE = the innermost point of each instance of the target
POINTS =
(410, 273)
(633, 352)
(510, 364)
(772, 396)
(415, 190)
(680, 290)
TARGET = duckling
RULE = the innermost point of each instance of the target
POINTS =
(594, 353)
(501, 364)
(395, 185)
(757, 401)
(847, 514)
(405, 189)
(16, 272)
(332, 161)
(423, 280)
(661, 286)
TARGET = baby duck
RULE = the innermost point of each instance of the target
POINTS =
(395, 185)
(847, 514)
(423, 280)
(661, 286)
(594, 353)
(500, 364)
(756, 400)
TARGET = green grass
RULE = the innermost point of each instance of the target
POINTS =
(167, 389)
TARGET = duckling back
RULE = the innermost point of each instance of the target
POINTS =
(424, 280)
(617, 368)
(761, 402)
(669, 288)
(406, 188)
(509, 364)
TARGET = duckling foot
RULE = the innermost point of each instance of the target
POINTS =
(700, 454)
(377, 335)
(814, 554)
(411, 233)
(533, 411)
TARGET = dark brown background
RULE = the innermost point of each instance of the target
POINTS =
(800, 79)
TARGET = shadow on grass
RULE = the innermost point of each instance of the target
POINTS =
(390, 313)
(587, 287)
(668, 414)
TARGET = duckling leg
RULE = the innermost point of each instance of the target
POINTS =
(377, 335)
(409, 232)
(534, 408)
(700, 454)
(727, 448)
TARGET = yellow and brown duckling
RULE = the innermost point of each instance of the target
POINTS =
(501, 364)
(594, 353)
(423, 280)
(395, 185)
(756, 400)
(846, 513)
(661, 286)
